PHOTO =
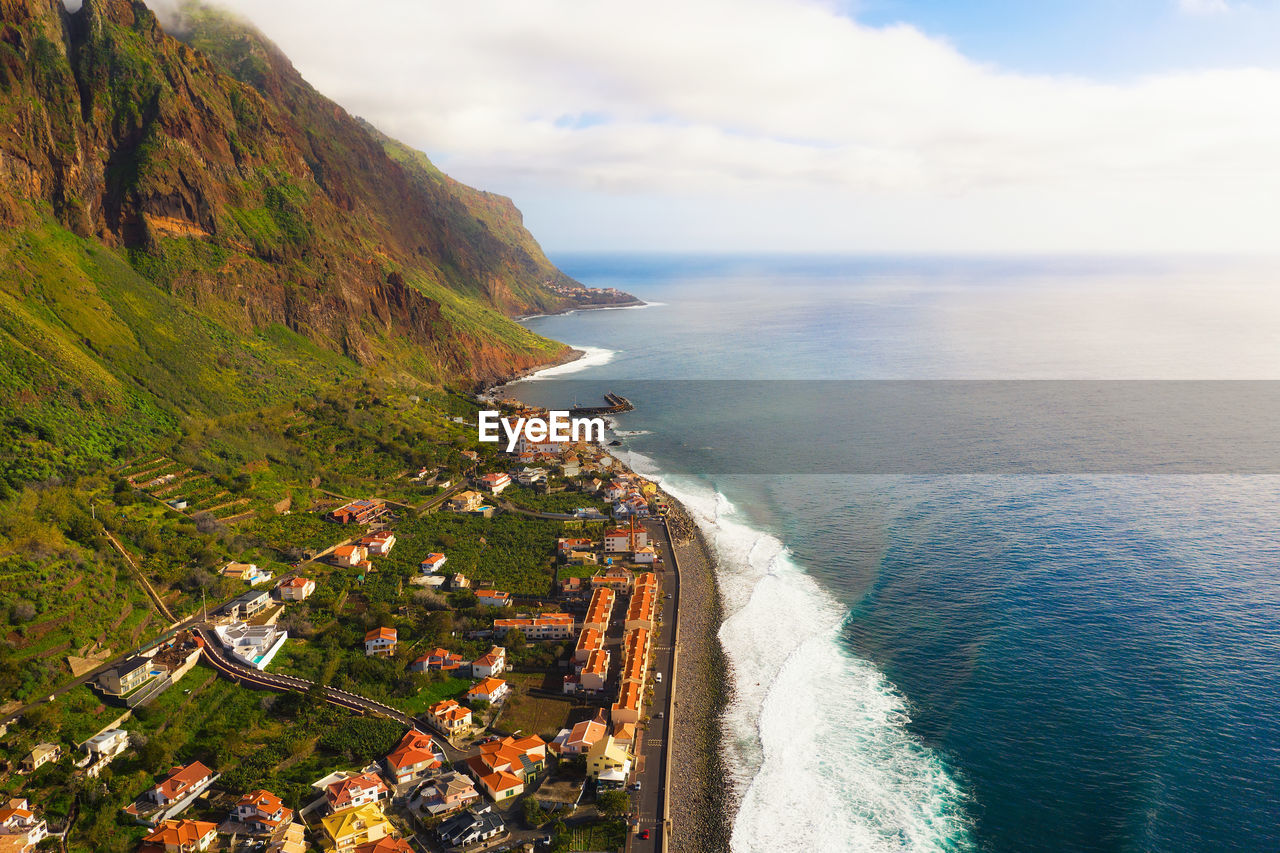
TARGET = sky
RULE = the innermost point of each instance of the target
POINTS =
(1092, 126)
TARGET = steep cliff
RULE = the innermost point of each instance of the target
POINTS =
(154, 186)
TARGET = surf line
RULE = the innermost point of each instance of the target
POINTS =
(557, 428)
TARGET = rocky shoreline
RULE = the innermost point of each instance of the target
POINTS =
(699, 808)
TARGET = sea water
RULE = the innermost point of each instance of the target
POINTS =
(1064, 662)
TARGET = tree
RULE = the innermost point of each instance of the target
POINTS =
(534, 814)
(515, 640)
(614, 803)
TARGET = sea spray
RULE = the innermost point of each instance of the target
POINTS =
(817, 749)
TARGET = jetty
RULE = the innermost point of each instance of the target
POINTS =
(616, 405)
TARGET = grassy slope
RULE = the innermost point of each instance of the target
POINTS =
(99, 361)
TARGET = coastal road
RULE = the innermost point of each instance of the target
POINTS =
(649, 803)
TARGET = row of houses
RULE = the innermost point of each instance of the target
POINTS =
(590, 658)
(636, 647)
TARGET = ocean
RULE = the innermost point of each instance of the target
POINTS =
(960, 661)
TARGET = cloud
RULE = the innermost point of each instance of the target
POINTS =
(744, 98)
(1204, 7)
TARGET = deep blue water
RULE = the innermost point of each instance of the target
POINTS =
(1002, 663)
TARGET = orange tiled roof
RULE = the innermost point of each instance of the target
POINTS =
(182, 778)
(414, 748)
(380, 634)
(180, 832)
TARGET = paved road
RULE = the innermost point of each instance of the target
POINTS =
(650, 802)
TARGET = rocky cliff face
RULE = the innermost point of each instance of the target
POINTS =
(229, 182)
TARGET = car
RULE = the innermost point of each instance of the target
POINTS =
(668, 596)
(657, 676)
(659, 715)
(644, 835)
(635, 786)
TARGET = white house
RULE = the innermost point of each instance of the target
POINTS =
(107, 744)
(494, 662)
(489, 690)
(432, 563)
(380, 641)
(297, 589)
(495, 483)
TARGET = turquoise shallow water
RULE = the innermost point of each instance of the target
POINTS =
(1003, 663)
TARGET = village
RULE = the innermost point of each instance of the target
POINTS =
(528, 731)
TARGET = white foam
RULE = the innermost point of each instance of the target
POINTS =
(591, 357)
(629, 433)
(816, 741)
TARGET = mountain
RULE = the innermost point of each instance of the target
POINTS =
(190, 229)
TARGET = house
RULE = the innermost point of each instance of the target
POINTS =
(489, 690)
(450, 716)
(386, 845)
(357, 512)
(495, 483)
(627, 708)
(579, 739)
(447, 793)
(642, 610)
(41, 755)
(380, 641)
(262, 812)
(645, 555)
(491, 663)
(582, 558)
(247, 572)
(180, 836)
(529, 476)
(470, 828)
(599, 610)
(493, 598)
(571, 587)
(296, 589)
(380, 543)
(107, 744)
(414, 757)
(437, 660)
(20, 828)
(467, 501)
(624, 734)
(254, 645)
(344, 831)
(247, 605)
(126, 677)
(618, 540)
(181, 782)
(590, 640)
(504, 767)
(292, 840)
(357, 789)
(565, 545)
(349, 555)
(470, 455)
(607, 754)
(548, 626)
(432, 563)
(615, 578)
(459, 581)
(594, 672)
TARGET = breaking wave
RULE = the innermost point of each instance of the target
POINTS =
(816, 741)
